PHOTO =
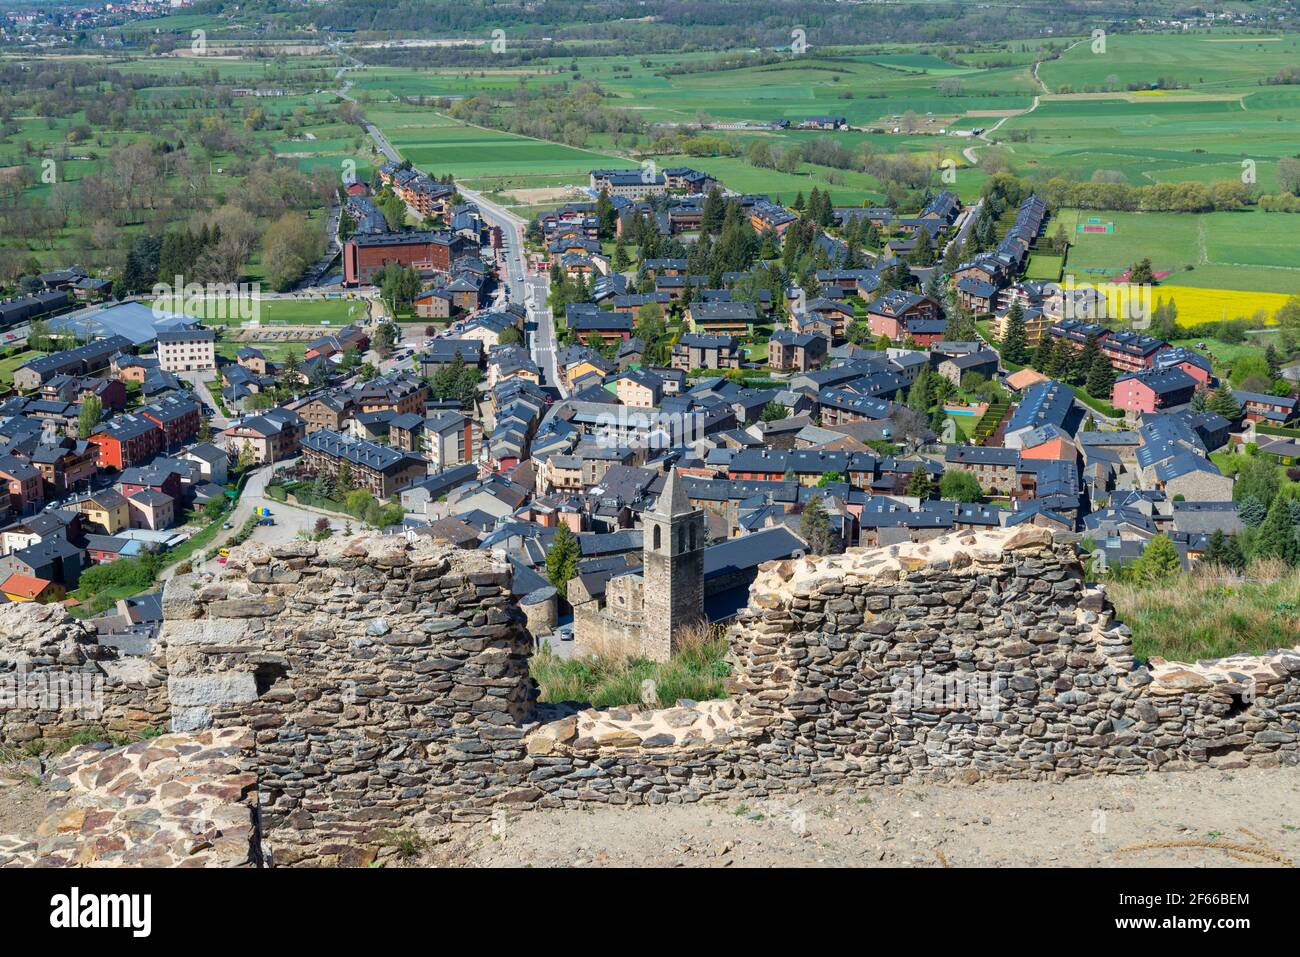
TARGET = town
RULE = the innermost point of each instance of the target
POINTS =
(730, 365)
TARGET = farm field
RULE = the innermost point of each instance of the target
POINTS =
(1228, 113)
(1213, 109)
(1251, 251)
(1203, 61)
(440, 146)
(1199, 306)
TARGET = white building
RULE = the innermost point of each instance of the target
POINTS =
(187, 350)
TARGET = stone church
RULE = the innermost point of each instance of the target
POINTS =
(647, 611)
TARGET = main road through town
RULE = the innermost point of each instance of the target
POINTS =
(531, 291)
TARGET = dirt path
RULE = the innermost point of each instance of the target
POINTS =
(1085, 822)
(22, 803)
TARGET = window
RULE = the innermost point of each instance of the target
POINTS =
(656, 538)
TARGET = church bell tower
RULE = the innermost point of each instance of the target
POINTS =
(672, 570)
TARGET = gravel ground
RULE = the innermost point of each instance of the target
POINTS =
(1253, 816)
(1093, 822)
(22, 803)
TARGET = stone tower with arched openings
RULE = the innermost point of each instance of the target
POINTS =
(672, 570)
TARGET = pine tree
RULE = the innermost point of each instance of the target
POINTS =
(1233, 556)
(1159, 560)
(562, 560)
(1100, 381)
(1251, 511)
(1062, 360)
(1222, 550)
(918, 396)
(1276, 538)
(815, 526)
(1015, 347)
(1091, 350)
(1042, 358)
(919, 484)
(1224, 403)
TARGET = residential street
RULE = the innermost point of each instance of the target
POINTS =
(200, 382)
(532, 291)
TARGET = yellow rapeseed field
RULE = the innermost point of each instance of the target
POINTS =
(1199, 306)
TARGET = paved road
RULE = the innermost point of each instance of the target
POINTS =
(545, 345)
(967, 224)
(381, 142)
(531, 291)
(200, 382)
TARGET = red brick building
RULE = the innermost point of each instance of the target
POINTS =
(425, 252)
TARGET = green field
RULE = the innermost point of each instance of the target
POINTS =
(284, 312)
(1248, 250)
(1044, 266)
(275, 352)
(1203, 61)
(1212, 108)
(1226, 114)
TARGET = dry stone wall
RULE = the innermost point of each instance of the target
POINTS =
(974, 656)
(56, 679)
(386, 683)
(985, 656)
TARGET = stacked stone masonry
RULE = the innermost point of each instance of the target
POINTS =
(385, 684)
(57, 679)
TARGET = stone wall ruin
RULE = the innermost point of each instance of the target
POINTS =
(384, 684)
